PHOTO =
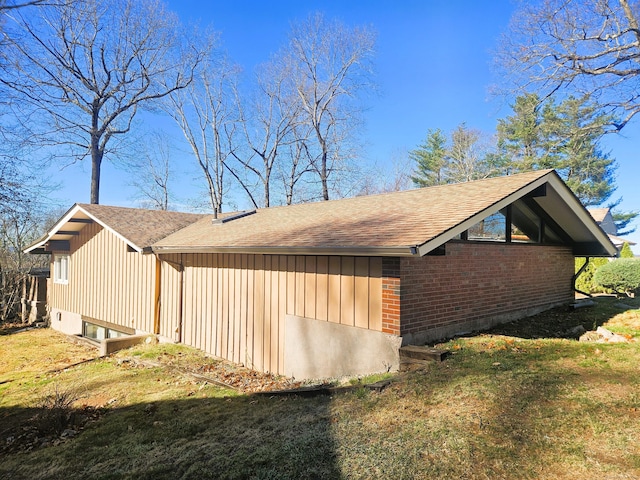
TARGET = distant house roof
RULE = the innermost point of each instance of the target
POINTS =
(412, 222)
(605, 221)
(598, 214)
(137, 227)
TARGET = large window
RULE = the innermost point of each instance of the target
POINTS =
(61, 268)
(517, 223)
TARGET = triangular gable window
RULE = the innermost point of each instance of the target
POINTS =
(517, 223)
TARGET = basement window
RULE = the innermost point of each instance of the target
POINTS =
(99, 332)
(61, 269)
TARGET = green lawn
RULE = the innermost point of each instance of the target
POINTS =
(516, 403)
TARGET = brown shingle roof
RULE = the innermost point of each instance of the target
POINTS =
(139, 226)
(400, 219)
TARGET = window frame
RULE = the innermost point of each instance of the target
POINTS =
(61, 268)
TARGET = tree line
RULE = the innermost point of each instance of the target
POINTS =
(77, 73)
(566, 136)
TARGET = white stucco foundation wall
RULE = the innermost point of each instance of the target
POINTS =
(66, 322)
(320, 349)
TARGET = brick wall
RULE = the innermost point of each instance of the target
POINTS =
(474, 286)
(391, 295)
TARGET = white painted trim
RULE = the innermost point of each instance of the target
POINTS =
(68, 216)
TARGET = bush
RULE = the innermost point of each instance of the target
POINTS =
(622, 275)
(625, 251)
(585, 282)
(56, 412)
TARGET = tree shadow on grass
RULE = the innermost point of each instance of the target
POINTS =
(222, 438)
(11, 328)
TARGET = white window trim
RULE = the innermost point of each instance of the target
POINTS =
(61, 269)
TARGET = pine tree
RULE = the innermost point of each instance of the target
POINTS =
(430, 160)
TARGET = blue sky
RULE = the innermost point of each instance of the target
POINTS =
(434, 70)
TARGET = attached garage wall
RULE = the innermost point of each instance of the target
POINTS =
(106, 281)
(234, 305)
(477, 285)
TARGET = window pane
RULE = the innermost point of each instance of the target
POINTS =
(491, 228)
(94, 331)
(115, 334)
(61, 269)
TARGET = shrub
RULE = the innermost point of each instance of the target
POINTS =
(625, 251)
(585, 282)
(56, 412)
(622, 275)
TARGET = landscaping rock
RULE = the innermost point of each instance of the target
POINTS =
(602, 335)
(611, 337)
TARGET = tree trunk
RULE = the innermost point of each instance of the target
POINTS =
(96, 162)
(323, 177)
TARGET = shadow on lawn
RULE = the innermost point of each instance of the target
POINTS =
(11, 328)
(237, 437)
(560, 322)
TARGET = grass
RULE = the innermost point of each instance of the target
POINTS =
(520, 402)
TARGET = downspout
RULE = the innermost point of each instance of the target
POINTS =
(156, 315)
(180, 300)
(575, 277)
(180, 267)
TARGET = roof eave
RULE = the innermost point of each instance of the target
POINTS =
(358, 251)
(38, 246)
(600, 236)
(444, 237)
(600, 247)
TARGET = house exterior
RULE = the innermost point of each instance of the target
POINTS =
(323, 289)
(605, 221)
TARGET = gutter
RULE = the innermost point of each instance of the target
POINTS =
(403, 251)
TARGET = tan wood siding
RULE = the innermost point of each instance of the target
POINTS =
(107, 282)
(234, 305)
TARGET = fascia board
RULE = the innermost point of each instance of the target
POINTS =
(583, 214)
(402, 251)
(66, 217)
(58, 225)
(117, 234)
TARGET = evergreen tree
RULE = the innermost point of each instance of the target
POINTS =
(524, 140)
(430, 160)
(576, 127)
(463, 157)
(625, 251)
(565, 137)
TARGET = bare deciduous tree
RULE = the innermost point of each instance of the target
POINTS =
(331, 66)
(588, 48)
(395, 176)
(273, 133)
(467, 155)
(86, 67)
(152, 174)
(206, 115)
(298, 164)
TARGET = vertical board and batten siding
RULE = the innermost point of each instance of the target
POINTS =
(234, 305)
(107, 281)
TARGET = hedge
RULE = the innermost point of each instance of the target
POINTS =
(622, 275)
